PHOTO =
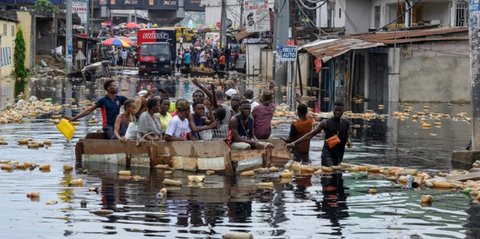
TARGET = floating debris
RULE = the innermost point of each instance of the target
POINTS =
(265, 185)
(102, 212)
(171, 182)
(210, 172)
(249, 173)
(45, 168)
(196, 178)
(426, 199)
(125, 173)
(51, 202)
(33, 195)
(76, 182)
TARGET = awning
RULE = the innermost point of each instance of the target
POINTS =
(331, 48)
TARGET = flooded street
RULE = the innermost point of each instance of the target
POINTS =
(333, 206)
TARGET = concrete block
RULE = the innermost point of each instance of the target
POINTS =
(465, 157)
(217, 163)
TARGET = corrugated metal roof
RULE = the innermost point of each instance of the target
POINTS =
(328, 49)
(399, 37)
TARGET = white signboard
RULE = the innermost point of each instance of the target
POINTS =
(80, 7)
(257, 17)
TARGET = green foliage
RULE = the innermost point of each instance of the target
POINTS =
(45, 6)
(19, 70)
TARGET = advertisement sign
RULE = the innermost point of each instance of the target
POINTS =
(161, 4)
(80, 7)
(193, 5)
(257, 17)
(127, 4)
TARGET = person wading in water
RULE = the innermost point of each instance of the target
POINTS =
(332, 153)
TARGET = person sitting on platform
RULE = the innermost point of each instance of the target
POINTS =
(141, 101)
(240, 135)
(123, 120)
(263, 115)
(164, 115)
(199, 123)
(178, 128)
(149, 126)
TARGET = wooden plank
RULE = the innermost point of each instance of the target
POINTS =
(100, 146)
(79, 151)
(227, 156)
(465, 177)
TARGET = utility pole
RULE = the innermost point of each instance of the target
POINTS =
(90, 17)
(241, 14)
(474, 31)
(280, 38)
(223, 27)
(68, 37)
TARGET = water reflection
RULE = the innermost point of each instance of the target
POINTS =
(334, 203)
(308, 207)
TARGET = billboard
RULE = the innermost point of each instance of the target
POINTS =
(80, 7)
(257, 17)
(161, 4)
(127, 4)
(193, 5)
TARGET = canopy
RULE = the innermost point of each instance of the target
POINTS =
(115, 41)
(131, 25)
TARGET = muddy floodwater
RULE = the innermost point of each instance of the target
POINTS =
(330, 206)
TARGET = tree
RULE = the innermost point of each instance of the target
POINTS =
(45, 6)
(19, 70)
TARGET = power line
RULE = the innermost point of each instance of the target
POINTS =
(311, 22)
(313, 8)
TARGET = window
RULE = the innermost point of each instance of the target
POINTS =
(331, 14)
(6, 58)
(13, 30)
(461, 15)
(376, 21)
(339, 13)
(5, 29)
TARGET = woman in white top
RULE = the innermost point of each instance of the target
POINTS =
(149, 126)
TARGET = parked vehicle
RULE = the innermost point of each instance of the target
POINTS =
(156, 50)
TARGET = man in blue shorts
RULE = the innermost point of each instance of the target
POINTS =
(109, 107)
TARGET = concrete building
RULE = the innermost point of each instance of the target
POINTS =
(443, 13)
(213, 12)
(8, 29)
(360, 16)
(367, 70)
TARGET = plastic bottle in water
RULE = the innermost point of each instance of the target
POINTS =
(409, 181)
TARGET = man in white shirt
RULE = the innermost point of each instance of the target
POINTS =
(178, 128)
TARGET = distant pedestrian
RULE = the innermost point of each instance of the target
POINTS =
(124, 55)
(187, 59)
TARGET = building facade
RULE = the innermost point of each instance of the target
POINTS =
(8, 29)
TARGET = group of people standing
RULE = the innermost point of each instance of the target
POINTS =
(215, 114)
(121, 56)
